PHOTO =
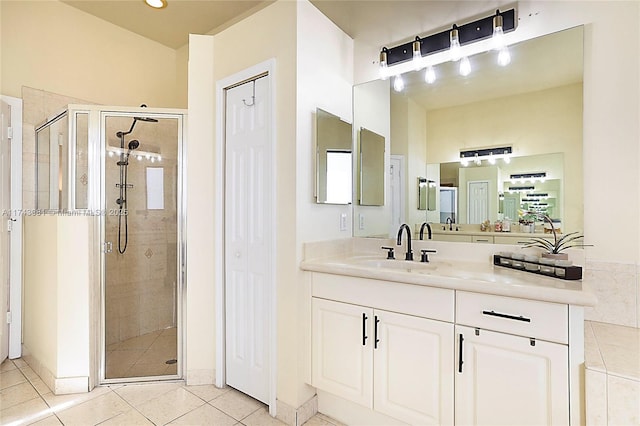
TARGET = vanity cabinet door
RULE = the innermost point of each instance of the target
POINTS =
(502, 379)
(413, 368)
(342, 350)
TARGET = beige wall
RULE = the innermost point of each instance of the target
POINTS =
(55, 47)
(56, 300)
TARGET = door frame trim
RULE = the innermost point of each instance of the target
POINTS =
(15, 271)
(268, 67)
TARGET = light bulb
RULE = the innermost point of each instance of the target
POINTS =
(465, 67)
(159, 157)
(417, 55)
(477, 160)
(398, 84)
(110, 153)
(464, 162)
(430, 75)
(504, 57)
(498, 34)
(384, 69)
(153, 159)
(507, 160)
(139, 157)
(491, 159)
(454, 48)
(147, 156)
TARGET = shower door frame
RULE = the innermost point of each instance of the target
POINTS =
(97, 198)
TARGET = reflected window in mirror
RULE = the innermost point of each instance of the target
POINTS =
(334, 171)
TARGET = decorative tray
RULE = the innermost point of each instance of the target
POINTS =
(563, 272)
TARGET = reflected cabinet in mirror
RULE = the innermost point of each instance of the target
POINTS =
(523, 120)
(333, 159)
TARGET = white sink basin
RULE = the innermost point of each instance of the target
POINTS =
(397, 264)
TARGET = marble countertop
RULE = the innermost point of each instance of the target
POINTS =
(477, 277)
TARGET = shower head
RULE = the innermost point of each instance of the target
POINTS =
(134, 144)
(147, 119)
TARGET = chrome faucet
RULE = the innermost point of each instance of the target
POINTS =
(425, 224)
(450, 223)
(409, 255)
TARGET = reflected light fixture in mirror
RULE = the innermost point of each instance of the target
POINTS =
(489, 154)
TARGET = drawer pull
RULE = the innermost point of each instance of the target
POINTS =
(364, 329)
(507, 316)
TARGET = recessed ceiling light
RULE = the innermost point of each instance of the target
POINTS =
(156, 4)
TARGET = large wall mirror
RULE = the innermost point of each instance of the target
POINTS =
(533, 106)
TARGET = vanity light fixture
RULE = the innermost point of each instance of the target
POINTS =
(156, 4)
(499, 44)
(524, 177)
(452, 39)
(454, 44)
(521, 188)
(490, 154)
(398, 83)
(384, 69)
(417, 55)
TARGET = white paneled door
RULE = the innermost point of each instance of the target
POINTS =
(5, 208)
(248, 237)
(478, 201)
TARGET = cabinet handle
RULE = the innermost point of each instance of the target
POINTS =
(460, 362)
(375, 332)
(364, 329)
(507, 316)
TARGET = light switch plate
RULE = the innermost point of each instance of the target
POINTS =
(343, 221)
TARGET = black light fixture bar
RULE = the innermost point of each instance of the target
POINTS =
(467, 33)
(522, 188)
(540, 195)
(485, 152)
(538, 175)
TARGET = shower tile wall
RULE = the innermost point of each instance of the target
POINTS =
(37, 106)
(141, 283)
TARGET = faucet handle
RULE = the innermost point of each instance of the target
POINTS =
(390, 254)
(424, 257)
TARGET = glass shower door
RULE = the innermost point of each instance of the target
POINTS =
(141, 282)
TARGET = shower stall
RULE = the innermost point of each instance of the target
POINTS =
(124, 168)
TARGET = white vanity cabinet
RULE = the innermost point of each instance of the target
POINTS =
(423, 355)
(511, 376)
(396, 364)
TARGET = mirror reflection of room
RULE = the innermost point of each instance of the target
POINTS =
(532, 105)
(333, 159)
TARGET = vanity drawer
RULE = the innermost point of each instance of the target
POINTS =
(482, 239)
(529, 318)
(417, 300)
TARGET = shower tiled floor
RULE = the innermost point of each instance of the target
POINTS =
(25, 399)
(145, 355)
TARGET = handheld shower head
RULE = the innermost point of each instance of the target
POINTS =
(147, 119)
(134, 144)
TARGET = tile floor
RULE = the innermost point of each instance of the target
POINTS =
(144, 355)
(25, 400)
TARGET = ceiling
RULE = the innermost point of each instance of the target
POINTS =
(377, 21)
